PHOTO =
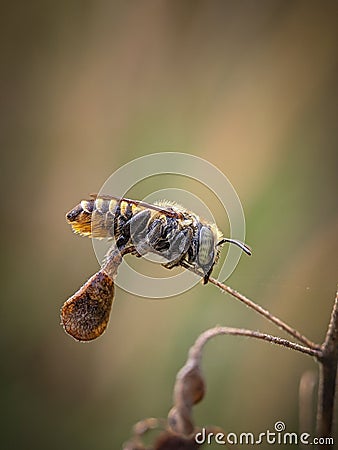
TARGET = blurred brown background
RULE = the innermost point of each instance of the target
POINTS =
(88, 86)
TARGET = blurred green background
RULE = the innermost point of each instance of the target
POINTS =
(87, 87)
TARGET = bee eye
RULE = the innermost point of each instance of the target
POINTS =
(206, 248)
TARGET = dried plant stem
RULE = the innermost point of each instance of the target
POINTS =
(212, 332)
(190, 384)
(251, 304)
(325, 354)
(327, 377)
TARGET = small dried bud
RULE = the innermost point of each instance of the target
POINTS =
(192, 387)
(189, 390)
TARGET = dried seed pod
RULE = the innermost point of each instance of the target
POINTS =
(85, 315)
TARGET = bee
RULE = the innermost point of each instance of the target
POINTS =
(164, 228)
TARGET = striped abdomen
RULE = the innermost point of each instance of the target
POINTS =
(101, 217)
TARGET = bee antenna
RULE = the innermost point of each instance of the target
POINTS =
(239, 244)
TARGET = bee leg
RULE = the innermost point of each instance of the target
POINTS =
(207, 275)
(178, 248)
(132, 228)
(148, 239)
(154, 234)
(139, 222)
(122, 241)
(137, 225)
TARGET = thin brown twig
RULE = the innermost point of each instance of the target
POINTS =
(260, 310)
(212, 332)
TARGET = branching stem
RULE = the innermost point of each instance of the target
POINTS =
(325, 354)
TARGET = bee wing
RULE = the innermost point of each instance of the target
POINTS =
(164, 210)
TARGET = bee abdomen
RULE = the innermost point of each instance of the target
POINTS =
(100, 217)
(92, 217)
